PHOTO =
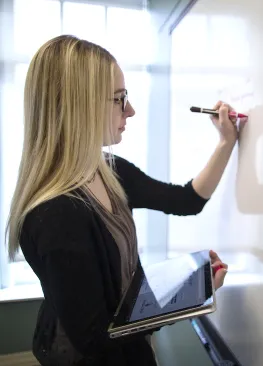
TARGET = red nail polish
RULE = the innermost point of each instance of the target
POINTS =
(217, 268)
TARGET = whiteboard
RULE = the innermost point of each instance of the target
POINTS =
(217, 55)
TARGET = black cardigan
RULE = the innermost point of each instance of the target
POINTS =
(78, 263)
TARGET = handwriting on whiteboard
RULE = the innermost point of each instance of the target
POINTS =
(241, 95)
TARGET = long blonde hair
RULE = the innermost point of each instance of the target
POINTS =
(66, 114)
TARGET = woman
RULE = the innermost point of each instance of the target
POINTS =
(72, 208)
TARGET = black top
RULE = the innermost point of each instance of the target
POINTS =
(78, 263)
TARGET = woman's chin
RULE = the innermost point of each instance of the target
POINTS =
(117, 139)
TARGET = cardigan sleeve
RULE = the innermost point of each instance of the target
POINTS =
(145, 192)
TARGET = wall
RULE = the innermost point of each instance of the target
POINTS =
(178, 345)
(17, 324)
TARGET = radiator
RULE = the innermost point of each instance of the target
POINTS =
(18, 359)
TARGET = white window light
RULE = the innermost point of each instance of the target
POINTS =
(100, 30)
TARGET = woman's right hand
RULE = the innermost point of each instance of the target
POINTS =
(225, 125)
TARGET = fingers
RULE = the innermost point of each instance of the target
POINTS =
(242, 123)
(219, 278)
(221, 104)
(219, 269)
(224, 109)
(216, 261)
(233, 120)
(223, 112)
(214, 256)
(218, 105)
(218, 265)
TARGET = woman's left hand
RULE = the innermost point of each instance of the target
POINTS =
(225, 125)
(220, 274)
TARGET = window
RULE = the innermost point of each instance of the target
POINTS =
(35, 22)
(29, 23)
(129, 43)
(85, 21)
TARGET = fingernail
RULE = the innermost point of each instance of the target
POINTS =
(217, 268)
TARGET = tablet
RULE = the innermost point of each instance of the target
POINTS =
(166, 292)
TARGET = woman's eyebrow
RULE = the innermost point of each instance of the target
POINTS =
(120, 90)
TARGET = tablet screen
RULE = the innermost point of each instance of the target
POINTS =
(168, 287)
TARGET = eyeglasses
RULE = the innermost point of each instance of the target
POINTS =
(122, 100)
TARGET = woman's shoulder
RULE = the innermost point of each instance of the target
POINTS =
(62, 222)
(126, 169)
(62, 209)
